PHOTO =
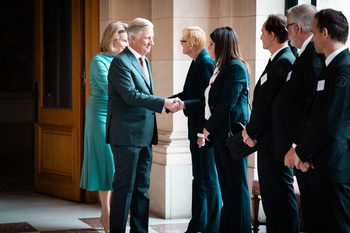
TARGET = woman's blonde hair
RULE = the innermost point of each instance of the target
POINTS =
(196, 36)
(111, 34)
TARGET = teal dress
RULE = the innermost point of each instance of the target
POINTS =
(98, 165)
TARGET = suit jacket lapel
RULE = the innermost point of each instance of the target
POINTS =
(326, 70)
(136, 63)
(270, 63)
(300, 58)
(266, 68)
(150, 76)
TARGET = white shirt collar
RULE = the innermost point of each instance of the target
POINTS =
(334, 54)
(274, 55)
(137, 55)
(303, 47)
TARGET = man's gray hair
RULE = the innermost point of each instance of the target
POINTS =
(304, 15)
(137, 26)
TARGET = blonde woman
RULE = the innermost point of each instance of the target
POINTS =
(206, 197)
(98, 166)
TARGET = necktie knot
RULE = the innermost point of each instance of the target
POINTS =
(142, 61)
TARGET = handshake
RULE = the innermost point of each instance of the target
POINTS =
(174, 105)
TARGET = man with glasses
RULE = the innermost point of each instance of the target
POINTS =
(326, 137)
(292, 101)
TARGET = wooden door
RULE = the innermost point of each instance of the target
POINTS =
(60, 75)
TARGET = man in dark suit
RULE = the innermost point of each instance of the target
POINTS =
(325, 142)
(291, 103)
(132, 128)
(280, 203)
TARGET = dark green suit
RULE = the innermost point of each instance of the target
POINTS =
(280, 203)
(131, 128)
(228, 95)
(326, 141)
(206, 197)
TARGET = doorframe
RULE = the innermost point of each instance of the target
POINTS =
(92, 42)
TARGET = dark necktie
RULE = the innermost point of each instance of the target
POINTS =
(267, 67)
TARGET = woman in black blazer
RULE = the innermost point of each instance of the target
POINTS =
(227, 94)
(206, 197)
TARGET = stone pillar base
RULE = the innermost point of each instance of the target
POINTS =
(171, 177)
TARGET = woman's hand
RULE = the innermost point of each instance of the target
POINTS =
(247, 140)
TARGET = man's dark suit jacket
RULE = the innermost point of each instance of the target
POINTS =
(292, 100)
(228, 95)
(270, 82)
(326, 138)
(197, 80)
(131, 107)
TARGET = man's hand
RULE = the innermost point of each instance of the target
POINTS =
(171, 104)
(206, 134)
(248, 140)
(304, 167)
(180, 106)
(291, 159)
(201, 141)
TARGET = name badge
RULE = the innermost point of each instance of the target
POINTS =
(263, 79)
(320, 85)
(288, 76)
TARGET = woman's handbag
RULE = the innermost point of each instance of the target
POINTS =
(234, 143)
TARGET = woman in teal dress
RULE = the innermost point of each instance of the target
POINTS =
(98, 166)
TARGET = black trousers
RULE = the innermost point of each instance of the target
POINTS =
(235, 213)
(311, 200)
(339, 213)
(130, 188)
(206, 195)
(336, 206)
(277, 195)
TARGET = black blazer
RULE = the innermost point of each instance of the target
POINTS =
(270, 82)
(131, 106)
(326, 138)
(197, 80)
(228, 95)
(291, 102)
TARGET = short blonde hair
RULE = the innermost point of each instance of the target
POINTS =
(111, 34)
(196, 36)
(137, 26)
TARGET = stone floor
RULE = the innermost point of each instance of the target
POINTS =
(32, 212)
(22, 210)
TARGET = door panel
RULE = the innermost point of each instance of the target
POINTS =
(59, 61)
(57, 50)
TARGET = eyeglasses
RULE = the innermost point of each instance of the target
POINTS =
(286, 27)
(182, 41)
